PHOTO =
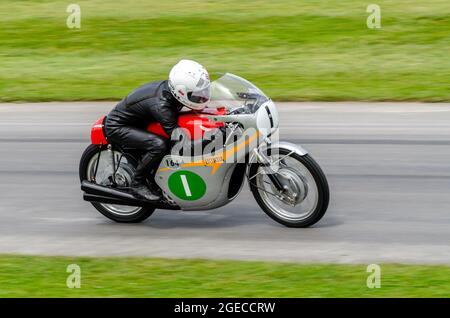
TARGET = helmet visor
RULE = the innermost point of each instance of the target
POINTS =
(201, 96)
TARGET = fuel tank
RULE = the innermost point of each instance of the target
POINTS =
(196, 123)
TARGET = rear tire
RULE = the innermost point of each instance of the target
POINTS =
(322, 191)
(136, 217)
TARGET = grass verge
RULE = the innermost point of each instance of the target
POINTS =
(35, 276)
(293, 50)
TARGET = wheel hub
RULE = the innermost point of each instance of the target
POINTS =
(122, 180)
(295, 187)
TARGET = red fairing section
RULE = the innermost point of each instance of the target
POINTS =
(194, 122)
(97, 135)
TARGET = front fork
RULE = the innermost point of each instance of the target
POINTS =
(267, 165)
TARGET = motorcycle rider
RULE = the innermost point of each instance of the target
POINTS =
(160, 101)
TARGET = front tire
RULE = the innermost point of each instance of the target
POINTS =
(309, 171)
(120, 214)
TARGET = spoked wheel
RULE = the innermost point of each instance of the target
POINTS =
(305, 197)
(97, 165)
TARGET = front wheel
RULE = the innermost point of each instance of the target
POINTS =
(96, 165)
(304, 200)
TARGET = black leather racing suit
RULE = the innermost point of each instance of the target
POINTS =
(126, 124)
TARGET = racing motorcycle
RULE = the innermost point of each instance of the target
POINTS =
(284, 179)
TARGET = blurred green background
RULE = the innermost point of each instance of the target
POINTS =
(293, 50)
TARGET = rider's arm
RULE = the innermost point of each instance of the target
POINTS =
(167, 116)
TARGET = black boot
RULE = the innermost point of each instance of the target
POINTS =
(138, 185)
(141, 190)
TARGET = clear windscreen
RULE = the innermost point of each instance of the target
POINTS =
(236, 94)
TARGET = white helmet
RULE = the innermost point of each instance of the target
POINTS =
(189, 83)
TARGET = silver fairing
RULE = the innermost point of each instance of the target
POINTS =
(180, 177)
(217, 185)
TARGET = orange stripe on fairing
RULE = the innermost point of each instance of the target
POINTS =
(216, 165)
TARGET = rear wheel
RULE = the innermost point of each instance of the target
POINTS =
(96, 165)
(306, 195)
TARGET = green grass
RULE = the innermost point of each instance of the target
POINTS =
(33, 276)
(293, 50)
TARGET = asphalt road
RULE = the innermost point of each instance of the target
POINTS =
(388, 167)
